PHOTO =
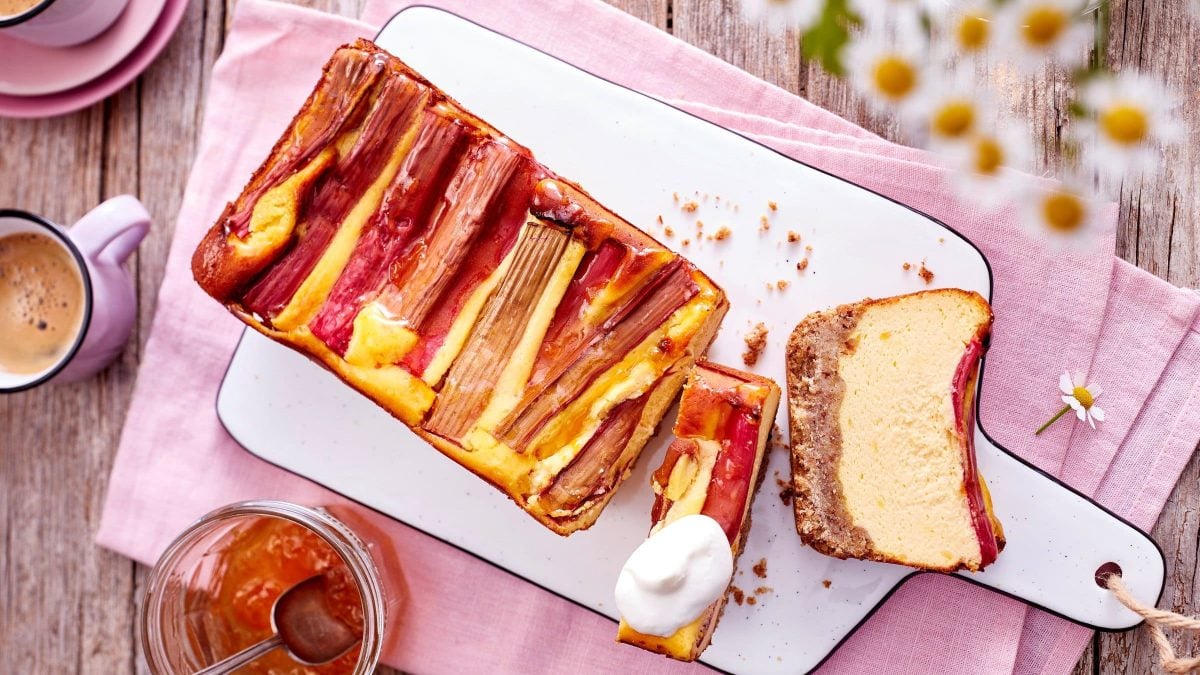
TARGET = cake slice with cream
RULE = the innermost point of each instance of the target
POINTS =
(672, 590)
(881, 404)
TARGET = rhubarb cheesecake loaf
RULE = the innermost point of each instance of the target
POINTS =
(434, 265)
(881, 405)
(713, 469)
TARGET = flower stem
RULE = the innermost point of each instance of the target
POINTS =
(1052, 419)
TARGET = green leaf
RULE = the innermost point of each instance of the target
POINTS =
(824, 41)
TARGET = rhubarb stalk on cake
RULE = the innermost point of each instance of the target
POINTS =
(712, 468)
(881, 397)
(529, 333)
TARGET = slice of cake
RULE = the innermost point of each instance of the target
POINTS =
(433, 264)
(881, 401)
(713, 468)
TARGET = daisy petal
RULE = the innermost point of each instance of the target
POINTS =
(1095, 390)
(1073, 402)
(1098, 413)
(1064, 383)
(1090, 422)
(1081, 414)
(1079, 381)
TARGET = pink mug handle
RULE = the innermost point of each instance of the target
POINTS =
(111, 232)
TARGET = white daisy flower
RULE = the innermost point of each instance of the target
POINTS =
(970, 28)
(1037, 31)
(780, 15)
(1064, 213)
(985, 164)
(952, 108)
(887, 63)
(1080, 397)
(1132, 117)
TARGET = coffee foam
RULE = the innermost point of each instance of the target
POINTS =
(41, 302)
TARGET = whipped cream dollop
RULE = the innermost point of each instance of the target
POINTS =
(669, 580)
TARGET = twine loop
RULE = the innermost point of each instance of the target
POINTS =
(1156, 620)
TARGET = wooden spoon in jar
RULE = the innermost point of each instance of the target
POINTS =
(304, 626)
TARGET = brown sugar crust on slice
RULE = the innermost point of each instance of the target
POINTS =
(814, 392)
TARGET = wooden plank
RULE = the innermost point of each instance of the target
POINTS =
(1160, 222)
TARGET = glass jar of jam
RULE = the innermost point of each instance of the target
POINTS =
(213, 590)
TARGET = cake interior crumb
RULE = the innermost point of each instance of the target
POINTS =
(793, 236)
(756, 341)
(773, 206)
(760, 568)
(826, 583)
(689, 206)
(739, 596)
(925, 273)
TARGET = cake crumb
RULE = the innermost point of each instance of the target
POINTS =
(738, 595)
(751, 600)
(906, 266)
(773, 206)
(669, 232)
(700, 225)
(793, 236)
(763, 590)
(782, 284)
(756, 341)
(689, 206)
(763, 223)
(722, 233)
(802, 265)
(760, 568)
(808, 248)
(941, 240)
(925, 273)
(826, 583)
(786, 491)
(685, 242)
(660, 219)
(675, 196)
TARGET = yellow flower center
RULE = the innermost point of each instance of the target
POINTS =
(989, 156)
(1125, 123)
(973, 32)
(894, 77)
(1084, 397)
(953, 119)
(1063, 212)
(1044, 25)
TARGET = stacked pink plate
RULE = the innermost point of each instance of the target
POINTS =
(37, 81)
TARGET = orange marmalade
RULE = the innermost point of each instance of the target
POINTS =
(255, 564)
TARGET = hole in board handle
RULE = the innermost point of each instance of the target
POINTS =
(1104, 571)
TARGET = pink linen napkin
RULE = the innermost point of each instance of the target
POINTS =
(1054, 313)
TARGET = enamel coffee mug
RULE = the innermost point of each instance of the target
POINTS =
(58, 23)
(96, 247)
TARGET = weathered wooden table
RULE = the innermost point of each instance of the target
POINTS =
(66, 605)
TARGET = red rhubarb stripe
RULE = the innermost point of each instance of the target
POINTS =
(403, 215)
(335, 105)
(733, 473)
(336, 194)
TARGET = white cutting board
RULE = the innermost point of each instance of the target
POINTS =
(632, 152)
